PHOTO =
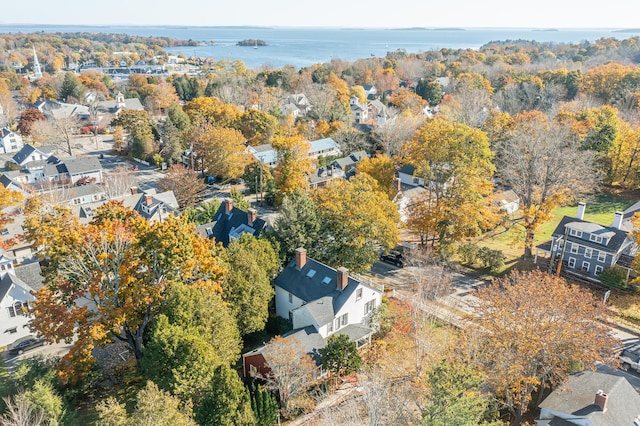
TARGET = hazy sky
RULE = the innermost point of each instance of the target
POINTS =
(328, 13)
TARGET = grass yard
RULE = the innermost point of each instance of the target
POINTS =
(600, 209)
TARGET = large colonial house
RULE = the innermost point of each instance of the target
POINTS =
(320, 301)
(590, 247)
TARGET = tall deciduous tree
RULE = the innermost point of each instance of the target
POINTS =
(106, 279)
(27, 118)
(154, 407)
(357, 219)
(291, 370)
(293, 164)
(531, 330)
(455, 162)
(624, 157)
(382, 168)
(545, 167)
(185, 184)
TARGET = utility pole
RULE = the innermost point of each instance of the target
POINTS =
(564, 248)
(261, 196)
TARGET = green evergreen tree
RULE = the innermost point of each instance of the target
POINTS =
(226, 402)
(264, 405)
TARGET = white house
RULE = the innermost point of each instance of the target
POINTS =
(9, 141)
(311, 293)
(16, 295)
(320, 301)
(268, 156)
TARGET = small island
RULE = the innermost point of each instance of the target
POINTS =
(252, 42)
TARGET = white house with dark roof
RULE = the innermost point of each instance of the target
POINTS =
(9, 141)
(591, 399)
(17, 284)
(321, 301)
(29, 153)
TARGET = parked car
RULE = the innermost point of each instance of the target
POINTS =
(394, 257)
(25, 345)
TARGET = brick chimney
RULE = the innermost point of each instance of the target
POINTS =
(301, 257)
(601, 400)
(228, 205)
(581, 207)
(134, 190)
(252, 215)
(343, 278)
(397, 182)
(148, 199)
(617, 220)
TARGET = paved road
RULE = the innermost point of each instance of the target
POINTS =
(57, 350)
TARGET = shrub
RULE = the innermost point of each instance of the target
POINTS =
(614, 276)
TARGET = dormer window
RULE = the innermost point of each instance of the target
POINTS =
(575, 233)
(595, 238)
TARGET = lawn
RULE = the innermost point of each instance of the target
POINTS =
(600, 210)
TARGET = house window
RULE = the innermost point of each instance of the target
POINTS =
(12, 311)
(575, 233)
(330, 327)
(574, 248)
(572, 262)
(12, 330)
(602, 256)
(337, 324)
(585, 266)
(598, 269)
(345, 319)
(369, 306)
(595, 238)
(588, 252)
(290, 298)
(358, 294)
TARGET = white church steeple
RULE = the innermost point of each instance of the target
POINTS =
(37, 72)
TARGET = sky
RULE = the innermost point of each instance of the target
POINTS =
(328, 13)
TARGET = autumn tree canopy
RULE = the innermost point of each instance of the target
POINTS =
(546, 167)
(532, 329)
(107, 279)
(455, 162)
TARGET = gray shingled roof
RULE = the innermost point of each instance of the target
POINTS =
(77, 166)
(31, 274)
(617, 237)
(321, 310)
(576, 398)
(309, 288)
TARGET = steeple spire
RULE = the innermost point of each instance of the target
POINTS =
(37, 72)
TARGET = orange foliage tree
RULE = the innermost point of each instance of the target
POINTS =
(530, 331)
(106, 279)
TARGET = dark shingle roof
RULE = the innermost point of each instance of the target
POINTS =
(82, 165)
(618, 240)
(407, 169)
(226, 223)
(309, 286)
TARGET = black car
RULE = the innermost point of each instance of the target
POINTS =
(26, 345)
(393, 257)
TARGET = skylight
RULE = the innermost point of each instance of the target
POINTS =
(311, 273)
(326, 280)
